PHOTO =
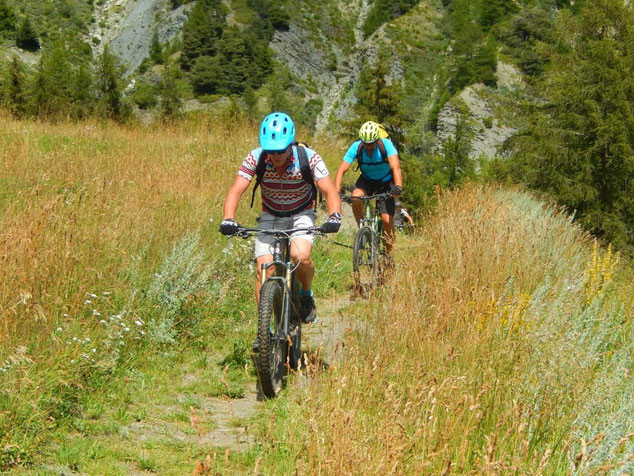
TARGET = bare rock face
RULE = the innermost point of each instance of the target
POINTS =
(127, 27)
(489, 130)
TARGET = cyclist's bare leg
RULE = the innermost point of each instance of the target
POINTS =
(357, 205)
(300, 253)
(388, 232)
(258, 284)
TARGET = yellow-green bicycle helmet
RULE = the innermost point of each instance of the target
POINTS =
(369, 132)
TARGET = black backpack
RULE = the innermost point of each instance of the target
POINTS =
(360, 162)
(304, 167)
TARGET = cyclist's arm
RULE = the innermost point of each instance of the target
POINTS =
(409, 218)
(327, 187)
(240, 184)
(395, 165)
(343, 168)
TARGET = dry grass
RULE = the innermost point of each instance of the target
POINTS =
(484, 357)
(88, 212)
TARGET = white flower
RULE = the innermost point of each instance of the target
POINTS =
(92, 295)
(59, 329)
(95, 313)
(102, 322)
(94, 350)
(72, 361)
(138, 323)
(87, 301)
(106, 293)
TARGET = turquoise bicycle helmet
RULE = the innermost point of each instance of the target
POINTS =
(277, 132)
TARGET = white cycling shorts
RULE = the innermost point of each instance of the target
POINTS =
(266, 221)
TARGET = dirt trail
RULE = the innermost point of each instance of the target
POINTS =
(323, 339)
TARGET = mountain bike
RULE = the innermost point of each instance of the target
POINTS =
(277, 348)
(368, 252)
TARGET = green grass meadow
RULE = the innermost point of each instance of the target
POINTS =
(502, 344)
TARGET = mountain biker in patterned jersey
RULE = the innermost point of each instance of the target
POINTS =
(379, 174)
(287, 201)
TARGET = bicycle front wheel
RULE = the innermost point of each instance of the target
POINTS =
(272, 344)
(365, 260)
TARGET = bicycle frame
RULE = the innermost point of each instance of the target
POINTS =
(284, 274)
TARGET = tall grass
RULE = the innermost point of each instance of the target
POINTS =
(105, 245)
(489, 353)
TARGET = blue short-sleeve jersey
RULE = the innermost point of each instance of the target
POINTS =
(373, 167)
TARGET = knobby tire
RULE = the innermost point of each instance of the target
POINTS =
(365, 260)
(272, 353)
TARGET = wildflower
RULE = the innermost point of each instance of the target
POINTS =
(65, 315)
(138, 323)
(102, 322)
(92, 295)
(75, 339)
(93, 350)
(142, 333)
(72, 361)
(126, 329)
(106, 293)
(87, 301)
(87, 339)
(95, 313)
(59, 329)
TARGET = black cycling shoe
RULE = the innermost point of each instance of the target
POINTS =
(307, 311)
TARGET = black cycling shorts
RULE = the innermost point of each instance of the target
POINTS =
(372, 187)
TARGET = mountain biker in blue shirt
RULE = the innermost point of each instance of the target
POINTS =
(380, 172)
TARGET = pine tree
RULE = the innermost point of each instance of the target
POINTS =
(82, 92)
(52, 84)
(234, 61)
(581, 147)
(171, 98)
(109, 89)
(8, 20)
(156, 50)
(25, 36)
(13, 94)
(202, 30)
(378, 99)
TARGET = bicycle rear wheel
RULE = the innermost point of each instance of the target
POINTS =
(272, 345)
(365, 263)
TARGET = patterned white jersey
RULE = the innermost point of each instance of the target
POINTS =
(288, 192)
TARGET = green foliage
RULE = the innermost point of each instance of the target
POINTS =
(270, 16)
(109, 86)
(495, 10)
(529, 31)
(385, 10)
(25, 36)
(378, 100)
(580, 147)
(144, 96)
(202, 31)
(156, 50)
(8, 19)
(13, 91)
(171, 95)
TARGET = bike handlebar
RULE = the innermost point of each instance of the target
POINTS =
(247, 232)
(366, 198)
